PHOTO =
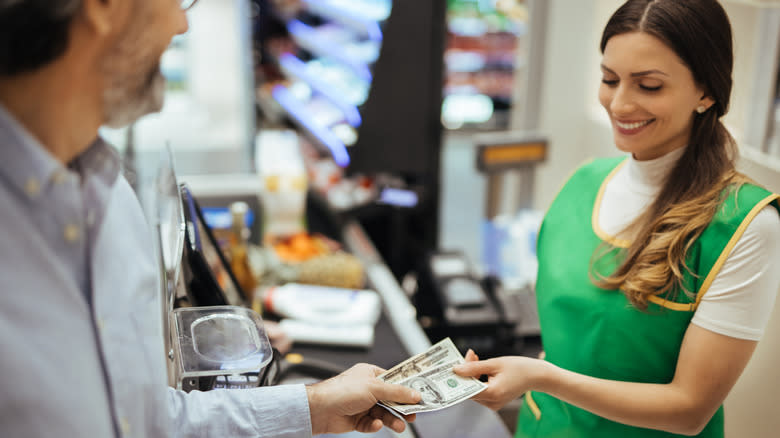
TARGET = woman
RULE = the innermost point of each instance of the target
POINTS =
(657, 271)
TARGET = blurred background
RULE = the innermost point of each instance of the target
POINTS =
(420, 141)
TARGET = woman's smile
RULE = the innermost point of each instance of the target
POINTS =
(631, 127)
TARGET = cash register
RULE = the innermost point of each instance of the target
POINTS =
(246, 360)
(215, 341)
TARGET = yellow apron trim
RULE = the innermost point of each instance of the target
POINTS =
(681, 307)
(690, 307)
(563, 184)
(532, 406)
(603, 235)
(732, 242)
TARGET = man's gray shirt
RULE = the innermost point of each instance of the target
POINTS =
(80, 324)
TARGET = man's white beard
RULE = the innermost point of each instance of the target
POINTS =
(120, 108)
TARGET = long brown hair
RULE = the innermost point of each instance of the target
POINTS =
(699, 32)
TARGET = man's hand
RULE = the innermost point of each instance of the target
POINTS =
(347, 402)
(508, 377)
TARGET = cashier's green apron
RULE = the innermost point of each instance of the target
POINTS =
(598, 332)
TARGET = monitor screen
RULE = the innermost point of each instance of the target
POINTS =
(210, 280)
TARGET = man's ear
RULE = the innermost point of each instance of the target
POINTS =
(106, 17)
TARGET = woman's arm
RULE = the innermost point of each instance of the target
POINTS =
(709, 363)
(708, 366)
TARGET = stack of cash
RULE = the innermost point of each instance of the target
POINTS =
(430, 373)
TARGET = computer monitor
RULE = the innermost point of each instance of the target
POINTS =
(209, 279)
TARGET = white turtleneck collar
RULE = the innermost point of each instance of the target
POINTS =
(632, 188)
(648, 176)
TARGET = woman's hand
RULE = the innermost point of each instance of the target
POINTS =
(508, 377)
(683, 406)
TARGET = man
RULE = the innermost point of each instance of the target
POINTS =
(80, 326)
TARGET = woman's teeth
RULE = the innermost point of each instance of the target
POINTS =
(634, 125)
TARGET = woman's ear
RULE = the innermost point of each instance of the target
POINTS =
(706, 102)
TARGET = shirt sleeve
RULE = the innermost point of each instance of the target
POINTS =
(740, 300)
(273, 411)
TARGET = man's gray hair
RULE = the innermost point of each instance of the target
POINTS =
(33, 32)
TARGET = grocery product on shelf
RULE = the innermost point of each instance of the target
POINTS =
(360, 81)
(327, 48)
(483, 46)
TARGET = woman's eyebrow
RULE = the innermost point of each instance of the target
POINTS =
(639, 73)
(647, 72)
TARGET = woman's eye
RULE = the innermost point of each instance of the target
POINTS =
(648, 88)
(609, 82)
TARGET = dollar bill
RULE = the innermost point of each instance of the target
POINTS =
(430, 373)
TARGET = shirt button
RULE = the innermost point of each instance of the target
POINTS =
(101, 324)
(58, 177)
(71, 233)
(32, 187)
(124, 425)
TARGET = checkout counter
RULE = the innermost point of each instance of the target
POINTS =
(398, 334)
(210, 113)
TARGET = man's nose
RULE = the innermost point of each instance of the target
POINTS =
(181, 24)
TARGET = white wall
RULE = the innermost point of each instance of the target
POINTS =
(563, 94)
(210, 125)
(578, 129)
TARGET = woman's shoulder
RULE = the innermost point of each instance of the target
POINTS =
(742, 201)
(748, 196)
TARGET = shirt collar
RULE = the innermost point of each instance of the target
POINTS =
(100, 160)
(28, 166)
(649, 176)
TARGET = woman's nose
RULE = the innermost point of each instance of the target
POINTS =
(622, 101)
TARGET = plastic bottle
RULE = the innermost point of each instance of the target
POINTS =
(280, 165)
(239, 259)
(322, 304)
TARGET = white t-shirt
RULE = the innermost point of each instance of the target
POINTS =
(740, 299)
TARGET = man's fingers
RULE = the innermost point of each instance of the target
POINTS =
(373, 370)
(368, 424)
(471, 356)
(396, 393)
(388, 418)
(396, 424)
